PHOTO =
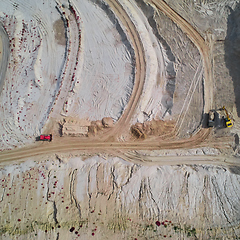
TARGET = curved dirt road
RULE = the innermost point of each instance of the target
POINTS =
(193, 35)
(200, 43)
(72, 43)
(70, 144)
(123, 122)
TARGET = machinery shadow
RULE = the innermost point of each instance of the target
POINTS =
(37, 138)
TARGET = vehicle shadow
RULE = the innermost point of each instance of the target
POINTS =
(232, 51)
(37, 138)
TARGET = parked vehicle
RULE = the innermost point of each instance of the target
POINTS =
(44, 138)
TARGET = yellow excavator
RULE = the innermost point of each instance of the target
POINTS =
(216, 119)
(228, 121)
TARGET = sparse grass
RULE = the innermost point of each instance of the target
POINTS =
(120, 225)
(190, 231)
(21, 229)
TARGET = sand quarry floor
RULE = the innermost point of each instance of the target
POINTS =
(123, 87)
(88, 60)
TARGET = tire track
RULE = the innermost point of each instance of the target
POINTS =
(67, 144)
(123, 123)
(200, 43)
(188, 98)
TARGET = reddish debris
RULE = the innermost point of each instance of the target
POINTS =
(158, 223)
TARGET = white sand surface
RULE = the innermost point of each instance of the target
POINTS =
(106, 75)
(32, 78)
(4, 55)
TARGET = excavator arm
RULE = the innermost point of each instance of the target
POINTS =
(228, 120)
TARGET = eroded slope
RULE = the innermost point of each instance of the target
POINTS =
(112, 198)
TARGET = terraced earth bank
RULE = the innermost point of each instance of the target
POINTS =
(123, 86)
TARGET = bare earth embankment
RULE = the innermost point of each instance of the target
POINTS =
(122, 85)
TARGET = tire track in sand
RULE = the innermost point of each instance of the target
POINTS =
(199, 42)
(70, 144)
(123, 123)
(67, 144)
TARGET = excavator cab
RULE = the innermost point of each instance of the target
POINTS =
(228, 122)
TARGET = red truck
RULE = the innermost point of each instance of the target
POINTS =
(46, 138)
